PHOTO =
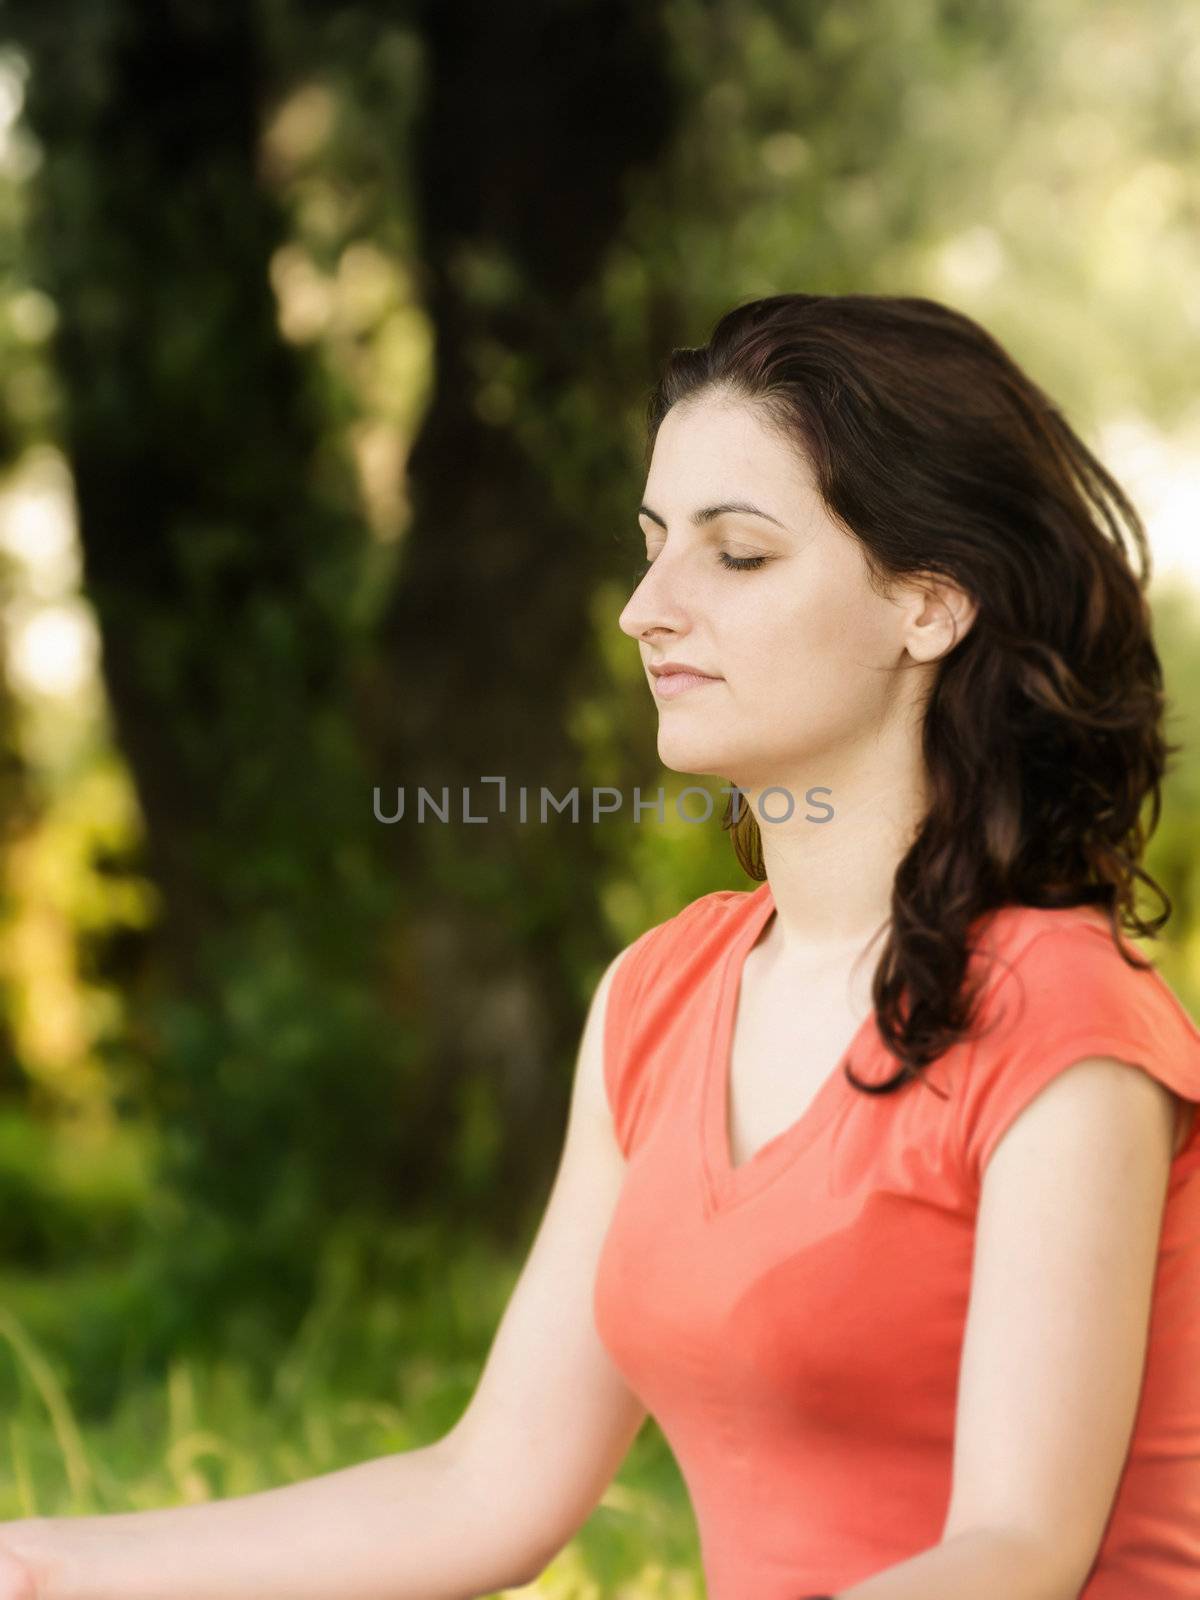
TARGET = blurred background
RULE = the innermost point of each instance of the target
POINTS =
(326, 332)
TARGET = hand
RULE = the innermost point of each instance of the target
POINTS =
(18, 1577)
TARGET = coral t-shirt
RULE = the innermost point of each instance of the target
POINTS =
(794, 1324)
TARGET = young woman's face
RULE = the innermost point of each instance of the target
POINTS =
(802, 650)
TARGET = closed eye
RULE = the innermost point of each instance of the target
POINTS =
(730, 563)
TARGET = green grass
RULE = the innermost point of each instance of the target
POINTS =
(384, 1360)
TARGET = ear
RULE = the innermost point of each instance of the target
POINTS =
(938, 615)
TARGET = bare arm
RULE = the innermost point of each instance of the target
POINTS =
(394, 1528)
(482, 1509)
(1070, 1215)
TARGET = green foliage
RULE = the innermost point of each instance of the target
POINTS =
(61, 1204)
(384, 1359)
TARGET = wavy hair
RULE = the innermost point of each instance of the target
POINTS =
(1043, 733)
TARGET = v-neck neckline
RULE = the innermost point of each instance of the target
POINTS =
(725, 1185)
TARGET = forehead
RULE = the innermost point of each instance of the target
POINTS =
(724, 445)
(716, 448)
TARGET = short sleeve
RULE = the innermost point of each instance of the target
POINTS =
(1067, 995)
(628, 983)
(636, 982)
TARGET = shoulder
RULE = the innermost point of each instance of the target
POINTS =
(1069, 967)
(1063, 990)
(1013, 929)
(695, 924)
(652, 981)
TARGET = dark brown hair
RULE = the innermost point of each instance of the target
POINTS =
(1043, 733)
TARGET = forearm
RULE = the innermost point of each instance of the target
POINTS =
(412, 1526)
(981, 1564)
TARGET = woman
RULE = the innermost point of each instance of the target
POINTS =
(880, 1186)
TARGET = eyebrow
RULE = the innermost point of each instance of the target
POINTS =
(711, 513)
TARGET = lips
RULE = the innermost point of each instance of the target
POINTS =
(669, 668)
(667, 685)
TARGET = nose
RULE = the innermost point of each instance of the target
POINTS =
(654, 604)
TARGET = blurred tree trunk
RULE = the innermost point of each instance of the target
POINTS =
(218, 555)
(190, 432)
(535, 119)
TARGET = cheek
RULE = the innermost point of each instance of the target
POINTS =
(814, 666)
(805, 643)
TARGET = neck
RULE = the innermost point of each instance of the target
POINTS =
(832, 880)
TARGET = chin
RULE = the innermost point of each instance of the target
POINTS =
(693, 756)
